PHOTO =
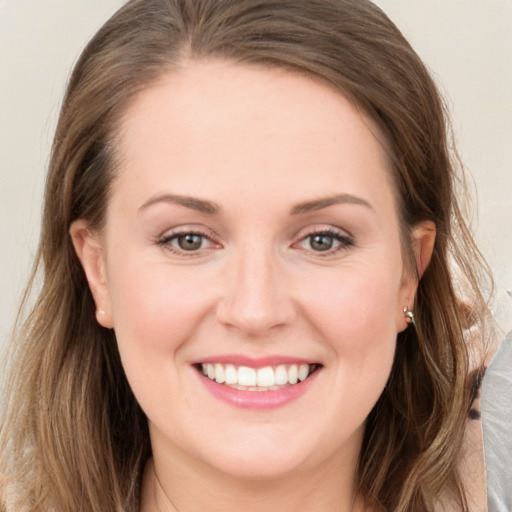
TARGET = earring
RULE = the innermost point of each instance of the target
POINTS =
(101, 312)
(409, 315)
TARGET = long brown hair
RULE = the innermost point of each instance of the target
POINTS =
(73, 436)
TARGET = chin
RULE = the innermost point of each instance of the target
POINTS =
(264, 469)
(260, 457)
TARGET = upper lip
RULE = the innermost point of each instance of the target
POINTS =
(254, 362)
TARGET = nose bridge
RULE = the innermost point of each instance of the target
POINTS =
(255, 299)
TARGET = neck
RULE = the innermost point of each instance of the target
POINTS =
(166, 490)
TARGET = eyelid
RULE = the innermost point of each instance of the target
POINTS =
(323, 228)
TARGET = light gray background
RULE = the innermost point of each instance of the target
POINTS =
(466, 43)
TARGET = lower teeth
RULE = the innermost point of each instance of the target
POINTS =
(255, 388)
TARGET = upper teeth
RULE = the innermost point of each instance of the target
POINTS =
(262, 378)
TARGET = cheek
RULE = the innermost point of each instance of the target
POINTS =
(356, 300)
(155, 314)
(355, 314)
(155, 310)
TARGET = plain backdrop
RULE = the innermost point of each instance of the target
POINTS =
(467, 44)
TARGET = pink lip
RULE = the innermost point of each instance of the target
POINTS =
(252, 362)
(259, 400)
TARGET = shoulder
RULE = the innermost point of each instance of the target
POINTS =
(488, 451)
(472, 463)
(497, 427)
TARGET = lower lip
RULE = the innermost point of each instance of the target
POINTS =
(258, 399)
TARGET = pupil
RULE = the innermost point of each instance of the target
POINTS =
(321, 242)
(190, 242)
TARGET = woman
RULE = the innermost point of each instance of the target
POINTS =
(247, 301)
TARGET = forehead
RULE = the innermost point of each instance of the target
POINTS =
(217, 122)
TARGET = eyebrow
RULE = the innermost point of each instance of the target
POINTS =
(318, 204)
(211, 208)
(193, 203)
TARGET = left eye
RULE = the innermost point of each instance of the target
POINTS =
(325, 241)
(321, 242)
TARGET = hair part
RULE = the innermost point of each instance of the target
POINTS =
(73, 435)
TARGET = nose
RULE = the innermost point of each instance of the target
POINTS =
(255, 296)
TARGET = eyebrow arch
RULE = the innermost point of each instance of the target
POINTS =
(193, 203)
(318, 204)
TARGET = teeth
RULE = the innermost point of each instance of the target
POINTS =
(246, 376)
(293, 374)
(231, 375)
(281, 376)
(265, 377)
(262, 379)
(219, 374)
(303, 372)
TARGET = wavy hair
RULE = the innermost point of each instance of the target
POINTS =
(73, 436)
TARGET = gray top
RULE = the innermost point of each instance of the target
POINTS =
(496, 403)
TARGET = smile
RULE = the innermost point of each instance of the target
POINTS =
(268, 378)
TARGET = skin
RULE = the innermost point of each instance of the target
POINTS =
(257, 142)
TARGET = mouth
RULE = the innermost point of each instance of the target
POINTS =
(246, 378)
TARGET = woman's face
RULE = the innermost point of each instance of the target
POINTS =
(251, 235)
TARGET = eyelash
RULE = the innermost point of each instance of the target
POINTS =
(344, 241)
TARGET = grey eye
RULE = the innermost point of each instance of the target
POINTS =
(321, 242)
(189, 242)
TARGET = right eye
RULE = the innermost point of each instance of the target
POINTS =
(187, 243)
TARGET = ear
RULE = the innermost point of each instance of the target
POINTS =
(423, 238)
(90, 253)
